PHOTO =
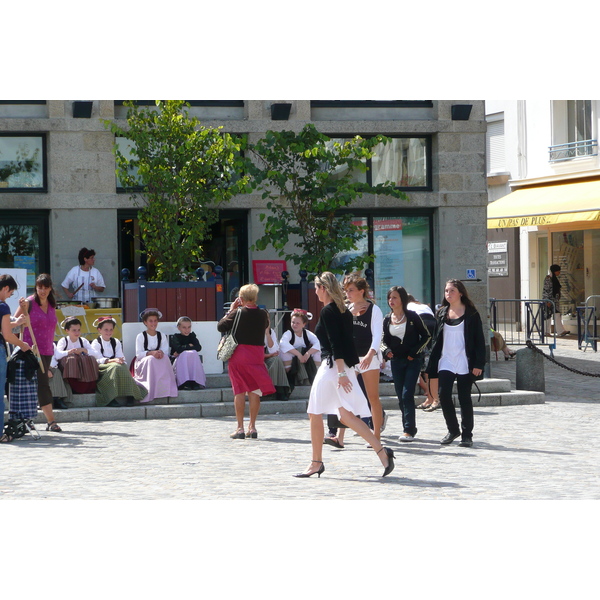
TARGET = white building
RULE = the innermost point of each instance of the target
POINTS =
(543, 173)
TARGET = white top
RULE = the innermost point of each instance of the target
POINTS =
(420, 309)
(275, 347)
(152, 344)
(398, 330)
(108, 351)
(376, 327)
(76, 276)
(286, 344)
(454, 356)
(65, 344)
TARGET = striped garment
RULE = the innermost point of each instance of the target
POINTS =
(22, 395)
(116, 382)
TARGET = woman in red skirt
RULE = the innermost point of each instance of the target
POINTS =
(246, 367)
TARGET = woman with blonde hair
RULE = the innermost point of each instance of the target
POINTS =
(335, 389)
(246, 366)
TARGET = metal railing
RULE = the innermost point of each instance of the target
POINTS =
(587, 325)
(561, 152)
(519, 320)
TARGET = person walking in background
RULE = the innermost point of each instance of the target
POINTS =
(7, 287)
(404, 339)
(41, 308)
(458, 353)
(427, 384)
(335, 389)
(551, 292)
(246, 366)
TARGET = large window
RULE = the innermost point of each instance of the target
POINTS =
(404, 161)
(401, 244)
(24, 244)
(22, 163)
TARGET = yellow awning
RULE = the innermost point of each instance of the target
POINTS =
(546, 205)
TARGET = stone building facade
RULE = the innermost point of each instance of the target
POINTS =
(72, 200)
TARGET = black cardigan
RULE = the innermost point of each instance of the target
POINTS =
(336, 335)
(474, 341)
(414, 341)
(181, 343)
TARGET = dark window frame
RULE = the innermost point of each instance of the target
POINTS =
(372, 213)
(38, 190)
(40, 218)
(371, 104)
(231, 103)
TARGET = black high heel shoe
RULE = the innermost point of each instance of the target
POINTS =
(391, 465)
(321, 470)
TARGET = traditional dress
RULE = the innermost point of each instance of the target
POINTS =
(80, 371)
(115, 380)
(187, 364)
(22, 372)
(154, 374)
(275, 364)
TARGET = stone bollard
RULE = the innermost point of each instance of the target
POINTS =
(530, 370)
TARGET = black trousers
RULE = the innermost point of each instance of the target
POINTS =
(463, 386)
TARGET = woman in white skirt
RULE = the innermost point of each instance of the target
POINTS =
(335, 389)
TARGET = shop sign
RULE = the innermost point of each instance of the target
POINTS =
(498, 259)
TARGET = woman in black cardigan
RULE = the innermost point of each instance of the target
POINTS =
(335, 389)
(404, 339)
(458, 353)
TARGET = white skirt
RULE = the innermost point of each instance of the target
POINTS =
(326, 398)
(374, 366)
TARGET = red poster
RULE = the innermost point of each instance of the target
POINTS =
(268, 271)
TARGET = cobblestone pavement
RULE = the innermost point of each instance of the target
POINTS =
(543, 451)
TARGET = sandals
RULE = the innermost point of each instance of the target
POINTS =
(333, 442)
(252, 434)
(54, 426)
(6, 439)
(436, 404)
(238, 435)
(423, 405)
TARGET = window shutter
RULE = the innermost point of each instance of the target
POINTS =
(495, 146)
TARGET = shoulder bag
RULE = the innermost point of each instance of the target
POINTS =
(228, 344)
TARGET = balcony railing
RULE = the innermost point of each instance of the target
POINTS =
(571, 150)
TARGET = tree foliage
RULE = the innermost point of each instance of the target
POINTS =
(308, 179)
(178, 172)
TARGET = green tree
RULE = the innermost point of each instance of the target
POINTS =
(308, 179)
(178, 172)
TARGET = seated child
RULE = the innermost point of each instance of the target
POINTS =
(76, 359)
(115, 379)
(275, 366)
(152, 368)
(302, 345)
(187, 365)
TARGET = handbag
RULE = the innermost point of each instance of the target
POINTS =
(228, 344)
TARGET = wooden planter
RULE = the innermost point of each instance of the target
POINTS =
(199, 300)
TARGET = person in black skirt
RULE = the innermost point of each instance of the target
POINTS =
(458, 353)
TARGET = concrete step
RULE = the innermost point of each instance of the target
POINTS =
(172, 408)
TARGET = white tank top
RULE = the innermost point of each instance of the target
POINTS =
(454, 356)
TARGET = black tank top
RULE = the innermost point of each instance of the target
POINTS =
(363, 336)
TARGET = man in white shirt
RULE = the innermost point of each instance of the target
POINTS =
(85, 275)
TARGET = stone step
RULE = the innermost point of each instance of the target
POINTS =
(224, 394)
(173, 408)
